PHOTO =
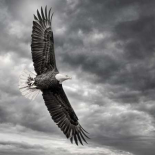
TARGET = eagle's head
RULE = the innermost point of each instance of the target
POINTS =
(61, 77)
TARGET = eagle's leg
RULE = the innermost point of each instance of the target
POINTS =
(31, 83)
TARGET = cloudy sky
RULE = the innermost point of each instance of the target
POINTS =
(108, 47)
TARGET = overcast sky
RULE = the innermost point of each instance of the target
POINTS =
(108, 47)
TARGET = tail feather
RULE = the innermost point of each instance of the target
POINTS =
(26, 85)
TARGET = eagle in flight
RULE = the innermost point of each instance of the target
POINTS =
(48, 80)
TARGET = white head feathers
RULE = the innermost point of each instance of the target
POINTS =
(61, 77)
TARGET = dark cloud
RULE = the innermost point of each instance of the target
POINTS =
(129, 63)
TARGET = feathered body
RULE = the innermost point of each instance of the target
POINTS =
(48, 79)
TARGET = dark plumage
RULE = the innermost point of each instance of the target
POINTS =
(46, 80)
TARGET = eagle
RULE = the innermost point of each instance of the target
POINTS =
(48, 80)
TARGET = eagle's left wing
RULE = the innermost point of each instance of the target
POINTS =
(63, 114)
(42, 44)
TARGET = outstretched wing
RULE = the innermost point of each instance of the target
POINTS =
(42, 44)
(63, 114)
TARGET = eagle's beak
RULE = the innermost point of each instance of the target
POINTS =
(70, 77)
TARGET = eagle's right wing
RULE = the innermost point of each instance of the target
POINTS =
(63, 114)
(42, 44)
